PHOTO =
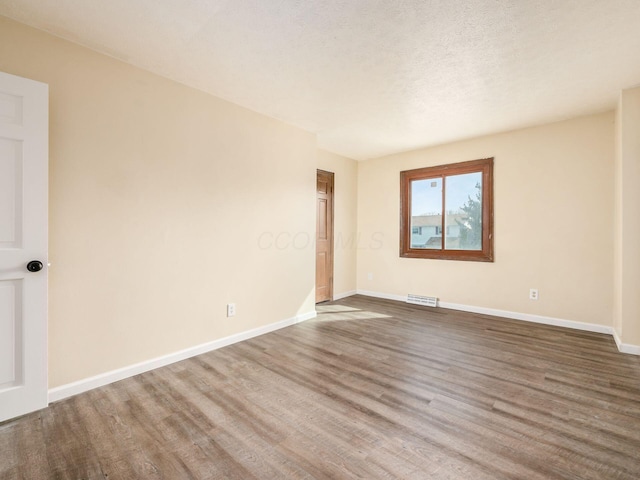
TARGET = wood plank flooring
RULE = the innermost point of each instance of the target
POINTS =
(370, 389)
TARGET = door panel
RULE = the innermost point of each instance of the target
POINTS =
(322, 219)
(10, 301)
(10, 192)
(324, 236)
(23, 237)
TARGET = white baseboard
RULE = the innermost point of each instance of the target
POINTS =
(74, 388)
(558, 322)
(386, 296)
(339, 296)
(528, 317)
(626, 347)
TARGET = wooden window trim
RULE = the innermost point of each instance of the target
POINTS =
(485, 166)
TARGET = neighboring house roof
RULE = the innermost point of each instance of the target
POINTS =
(435, 220)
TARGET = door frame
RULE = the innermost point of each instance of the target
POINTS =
(331, 195)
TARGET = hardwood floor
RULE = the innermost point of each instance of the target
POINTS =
(371, 389)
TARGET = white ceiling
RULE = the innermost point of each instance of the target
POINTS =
(372, 77)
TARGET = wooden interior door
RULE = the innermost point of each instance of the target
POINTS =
(23, 245)
(324, 236)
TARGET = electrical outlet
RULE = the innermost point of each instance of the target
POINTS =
(231, 309)
(533, 294)
(369, 276)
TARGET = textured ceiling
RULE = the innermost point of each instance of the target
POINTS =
(372, 77)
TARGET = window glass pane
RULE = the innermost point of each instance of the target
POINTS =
(463, 203)
(426, 213)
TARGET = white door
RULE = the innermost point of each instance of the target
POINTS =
(23, 238)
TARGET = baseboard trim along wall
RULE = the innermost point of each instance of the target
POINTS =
(68, 390)
(626, 347)
(527, 317)
(65, 391)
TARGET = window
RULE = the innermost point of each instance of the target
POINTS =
(456, 199)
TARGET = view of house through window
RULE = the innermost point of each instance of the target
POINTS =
(462, 211)
(447, 211)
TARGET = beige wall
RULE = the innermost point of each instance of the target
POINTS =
(166, 204)
(553, 224)
(345, 216)
(162, 203)
(627, 231)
